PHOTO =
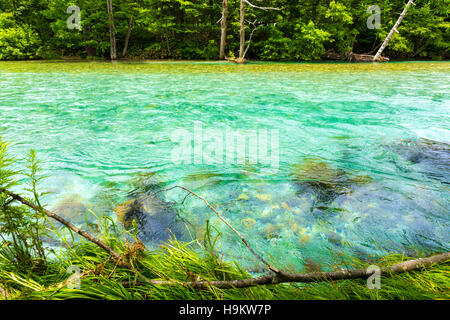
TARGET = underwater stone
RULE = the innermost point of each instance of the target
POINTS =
(304, 238)
(324, 183)
(243, 196)
(122, 209)
(272, 231)
(248, 223)
(360, 179)
(433, 157)
(72, 207)
(204, 178)
(266, 212)
(333, 237)
(263, 196)
(295, 227)
(155, 218)
(285, 206)
(314, 170)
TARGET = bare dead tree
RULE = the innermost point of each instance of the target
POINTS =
(127, 37)
(242, 50)
(223, 26)
(394, 29)
(112, 30)
(241, 31)
(255, 27)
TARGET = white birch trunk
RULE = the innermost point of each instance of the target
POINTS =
(394, 29)
(112, 35)
(242, 31)
(223, 24)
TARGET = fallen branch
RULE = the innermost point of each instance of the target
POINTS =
(275, 278)
(262, 8)
(119, 258)
(228, 224)
(285, 277)
(351, 57)
(280, 276)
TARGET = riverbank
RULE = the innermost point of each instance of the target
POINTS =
(84, 271)
(137, 59)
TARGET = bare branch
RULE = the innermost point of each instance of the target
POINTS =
(277, 277)
(391, 33)
(284, 277)
(249, 41)
(262, 8)
(228, 224)
(119, 258)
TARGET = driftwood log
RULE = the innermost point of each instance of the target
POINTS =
(276, 276)
(116, 256)
(351, 57)
(285, 277)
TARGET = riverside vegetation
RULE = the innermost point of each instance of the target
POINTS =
(30, 268)
(178, 29)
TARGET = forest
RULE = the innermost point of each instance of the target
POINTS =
(272, 30)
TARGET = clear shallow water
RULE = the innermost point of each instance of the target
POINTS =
(357, 171)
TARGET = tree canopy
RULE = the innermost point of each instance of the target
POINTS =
(183, 29)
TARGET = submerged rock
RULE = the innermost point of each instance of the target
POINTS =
(316, 171)
(432, 157)
(156, 219)
(263, 197)
(72, 207)
(243, 196)
(248, 223)
(323, 181)
(333, 237)
(272, 231)
(203, 179)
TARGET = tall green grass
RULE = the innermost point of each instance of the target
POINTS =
(31, 269)
(102, 278)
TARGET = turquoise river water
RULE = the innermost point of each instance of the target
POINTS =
(356, 158)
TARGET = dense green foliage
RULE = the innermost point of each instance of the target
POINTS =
(180, 29)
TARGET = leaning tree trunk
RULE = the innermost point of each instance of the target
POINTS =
(223, 25)
(394, 29)
(127, 37)
(112, 34)
(242, 32)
